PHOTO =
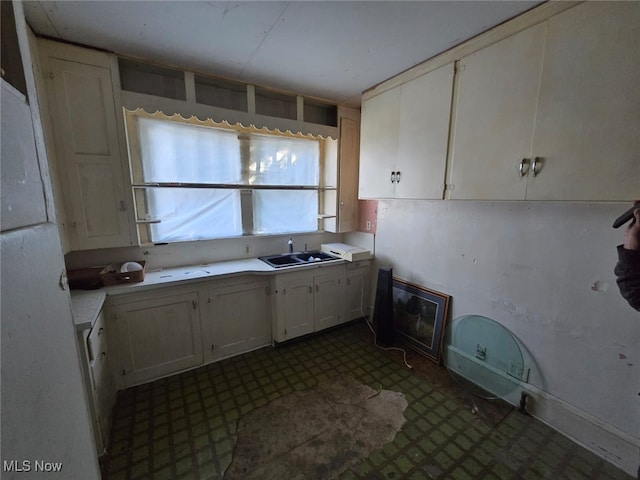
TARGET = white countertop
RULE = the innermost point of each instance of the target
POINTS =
(156, 277)
(86, 304)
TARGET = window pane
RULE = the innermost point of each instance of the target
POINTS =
(194, 213)
(284, 161)
(175, 152)
(284, 211)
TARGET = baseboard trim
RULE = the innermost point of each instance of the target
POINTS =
(608, 442)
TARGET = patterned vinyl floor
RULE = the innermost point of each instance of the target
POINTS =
(183, 427)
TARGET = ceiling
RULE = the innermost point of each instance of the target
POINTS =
(332, 50)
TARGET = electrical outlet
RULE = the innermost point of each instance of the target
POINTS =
(368, 224)
(246, 249)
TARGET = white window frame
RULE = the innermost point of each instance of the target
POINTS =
(327, 157)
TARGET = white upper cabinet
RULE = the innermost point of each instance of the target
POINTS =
(495, 110)
(553, 112)
(88, 145)
(404, 138)
(588, 119)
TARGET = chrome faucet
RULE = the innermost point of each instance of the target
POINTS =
(290, 243)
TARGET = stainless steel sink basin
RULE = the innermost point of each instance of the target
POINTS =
(299, 258)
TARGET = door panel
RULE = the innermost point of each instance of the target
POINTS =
(158, 337)
(588, 120)
(495, 110)
(241, 318)
(88, 154)
(379, 144)
(425, 110)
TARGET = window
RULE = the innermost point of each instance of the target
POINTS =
(196, 180)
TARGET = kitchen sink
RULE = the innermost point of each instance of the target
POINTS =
(315, 256)
(280, 260)
(299, 258)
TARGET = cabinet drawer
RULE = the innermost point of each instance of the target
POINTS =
(98, 367)
(97, 349)
(97, 339)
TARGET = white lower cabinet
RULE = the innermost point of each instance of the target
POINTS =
(309, 301)
(99, 383)
(102, 384)
(168, 330)
(156, 336)
(238, 318)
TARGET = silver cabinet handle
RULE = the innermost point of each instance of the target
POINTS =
(398, 176)
(393, 177)
(524, 166)
(534, 166)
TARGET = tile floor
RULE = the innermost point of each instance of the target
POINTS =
(183, 427)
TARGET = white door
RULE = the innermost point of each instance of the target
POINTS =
(241, 318)
(425, 110)
(294, 306)
(358, 293)
(329, 298)
(157, 337)
(494, 113)
(88, 154)
(379, 144)
(45, 414)
(348, 179)
(588, 122)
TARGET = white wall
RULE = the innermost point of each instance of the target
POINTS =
(545, 272)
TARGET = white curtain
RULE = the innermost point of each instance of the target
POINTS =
(285, 211)
(284, 161)
(194, 213)
(176, 152)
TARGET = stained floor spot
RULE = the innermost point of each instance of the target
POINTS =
(316, 433)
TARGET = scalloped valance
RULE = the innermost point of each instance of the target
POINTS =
(210, 122)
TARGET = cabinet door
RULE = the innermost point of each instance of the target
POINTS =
(240, 317)
(588, 122)
(348, 178)
(379, 144)
(88, 154)
(294, 306)
(329, 298)
(425, 110)
(358, 292)
(157, 337)
(495, 108)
